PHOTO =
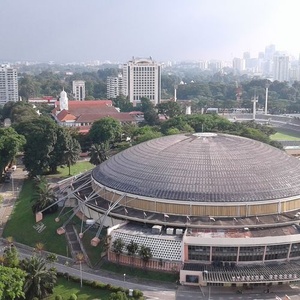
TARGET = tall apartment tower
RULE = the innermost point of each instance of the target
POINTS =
(114, 86)
(79, 90)
(142, 78)
(281, 68)
(8, 84)
(238, 64)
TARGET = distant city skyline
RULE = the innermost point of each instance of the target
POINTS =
(115, 30)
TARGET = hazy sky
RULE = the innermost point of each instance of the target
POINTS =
(116, 30)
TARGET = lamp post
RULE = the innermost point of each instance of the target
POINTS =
(206, 272)
(124, 277)
(80, 259)
(12, 184)
(266, 101)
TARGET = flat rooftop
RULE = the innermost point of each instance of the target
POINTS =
(243, 233)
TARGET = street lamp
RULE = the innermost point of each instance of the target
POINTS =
(80, 259)
(206, 272)
(124, 277)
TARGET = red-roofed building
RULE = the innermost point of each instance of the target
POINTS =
(82, 114)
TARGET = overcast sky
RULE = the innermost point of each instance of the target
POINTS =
(116, 30)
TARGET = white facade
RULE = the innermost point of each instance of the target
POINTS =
(79, 90)
(63, 101)
(281, 68)
(8, 85)
(142, 78)
(239, 64)
(114, 86)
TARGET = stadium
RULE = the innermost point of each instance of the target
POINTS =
(220, 209)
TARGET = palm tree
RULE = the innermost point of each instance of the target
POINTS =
(145, 254)
(132, 249)
(72, 153)
(9, 241)
(43, 196)
(98, 153)
(118, 245)
(39, 248)
(40, 280)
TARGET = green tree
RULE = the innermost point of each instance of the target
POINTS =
(11, 256)
(118, 247)
(28, 87)
(51, 258)
(43, 196)
(99, 153)
(150, 135)
(146, 254)
(132, 249)
(150, 114)
(66, 150)
(118, 296)
(72, 153)
(123, 103)
(40, 280)
(145, 133)
(10, 144)
(41, 137)
(22, 111)
(106, 130)
(169, 109)
(11, 283)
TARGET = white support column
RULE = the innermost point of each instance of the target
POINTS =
(266, 101)
(254, 100)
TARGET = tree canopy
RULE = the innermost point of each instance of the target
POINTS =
(11, 283)
(48, 145)
(106, 130)
(10, 144)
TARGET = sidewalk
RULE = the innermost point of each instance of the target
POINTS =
(10, 192)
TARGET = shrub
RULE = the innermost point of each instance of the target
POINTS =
(58, 297)
(137, 293)
(73, 297)
(87, 282)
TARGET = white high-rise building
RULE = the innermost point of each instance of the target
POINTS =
(114, 86)
(281, 68)
(79, 90)
(8, 84)
(238, 64)
(142, 78)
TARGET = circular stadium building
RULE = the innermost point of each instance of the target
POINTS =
(221, 209)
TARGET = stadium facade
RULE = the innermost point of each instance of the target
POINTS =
(221, 209)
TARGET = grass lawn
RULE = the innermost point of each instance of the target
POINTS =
(140, 273)
(66, 288)
(285, 135)
(21, 222)
(79, 167)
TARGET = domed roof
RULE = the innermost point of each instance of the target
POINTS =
(203, 168)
